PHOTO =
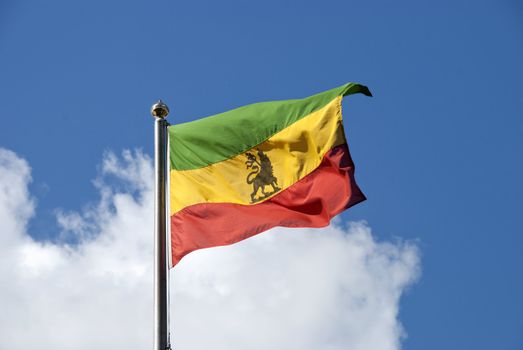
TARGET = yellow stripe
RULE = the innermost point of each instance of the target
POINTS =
(294, 153)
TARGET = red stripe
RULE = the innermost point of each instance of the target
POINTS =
(311, 202)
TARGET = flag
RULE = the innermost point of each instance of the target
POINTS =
(241, 172)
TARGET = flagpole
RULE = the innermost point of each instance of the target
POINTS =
(161, 302)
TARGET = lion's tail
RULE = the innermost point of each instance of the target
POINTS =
(255, 171)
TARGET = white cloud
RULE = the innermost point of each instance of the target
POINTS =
(331, 288)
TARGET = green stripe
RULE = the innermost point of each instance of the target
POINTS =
(213, 139)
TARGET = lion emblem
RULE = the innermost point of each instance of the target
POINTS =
(261, 176)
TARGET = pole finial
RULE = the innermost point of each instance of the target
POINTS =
(159, 110)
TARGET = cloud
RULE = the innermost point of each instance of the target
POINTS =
(332, 288)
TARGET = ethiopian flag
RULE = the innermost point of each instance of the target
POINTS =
(238, 173)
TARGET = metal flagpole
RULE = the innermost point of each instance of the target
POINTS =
(161, 307)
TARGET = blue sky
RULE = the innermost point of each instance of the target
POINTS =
(436, 148)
